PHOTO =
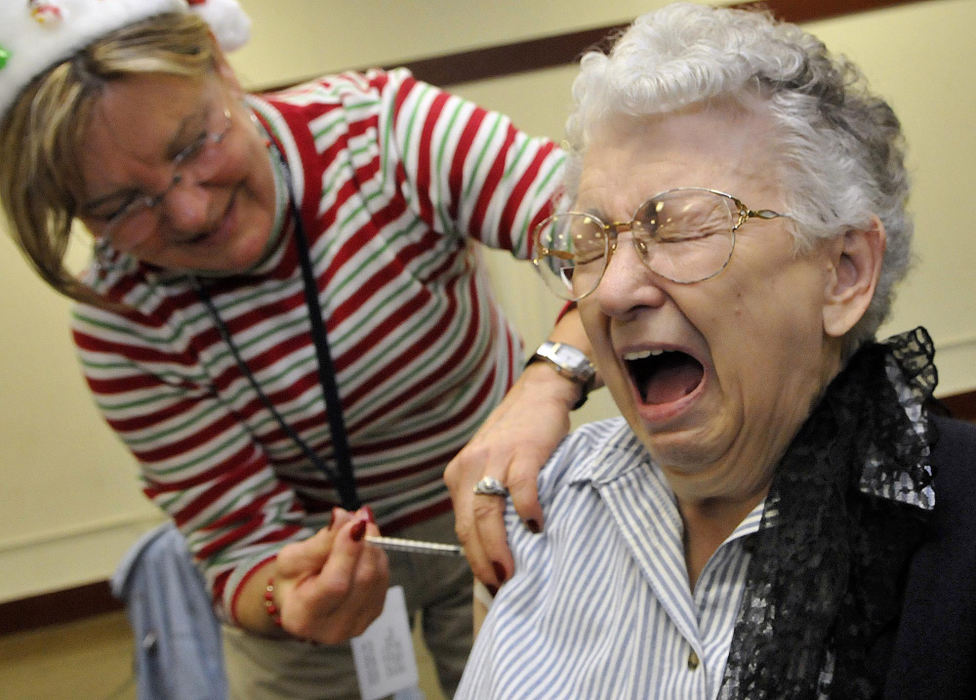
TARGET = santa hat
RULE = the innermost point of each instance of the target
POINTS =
(35, 35)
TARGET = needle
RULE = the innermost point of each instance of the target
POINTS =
(415, 546)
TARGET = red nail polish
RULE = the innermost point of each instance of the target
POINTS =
(533, 527)
(358, 531)
(369, 514)
(499, 571)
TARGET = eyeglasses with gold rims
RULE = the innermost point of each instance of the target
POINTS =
(195, 163)
(685, 235)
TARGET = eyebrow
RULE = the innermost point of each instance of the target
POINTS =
(598, 215)
(173, 149)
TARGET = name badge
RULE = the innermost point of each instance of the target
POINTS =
(383, 654)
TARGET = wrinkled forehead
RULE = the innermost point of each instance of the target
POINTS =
(630, 159)
(746, 118)
(738, 111)
(138, 123)
(138, 107)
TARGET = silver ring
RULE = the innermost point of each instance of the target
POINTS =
(490, 486)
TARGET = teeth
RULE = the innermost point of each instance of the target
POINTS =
(642, 354)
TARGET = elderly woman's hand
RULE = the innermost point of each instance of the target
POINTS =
(331, 586)
(511, 446)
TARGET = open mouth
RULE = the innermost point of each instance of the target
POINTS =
(663, 376)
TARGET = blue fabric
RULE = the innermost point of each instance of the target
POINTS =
(177, 636)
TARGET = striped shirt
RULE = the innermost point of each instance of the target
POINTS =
(600, 605)
(394, 179)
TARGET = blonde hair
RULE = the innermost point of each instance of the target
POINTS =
(40, 136)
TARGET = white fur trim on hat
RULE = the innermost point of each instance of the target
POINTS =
(227, 20)
(35, 35)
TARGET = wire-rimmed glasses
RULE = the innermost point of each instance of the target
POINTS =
(685, 235)
(194, 163)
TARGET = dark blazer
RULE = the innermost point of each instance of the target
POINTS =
(934, 648)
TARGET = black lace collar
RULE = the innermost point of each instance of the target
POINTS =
(851, 494)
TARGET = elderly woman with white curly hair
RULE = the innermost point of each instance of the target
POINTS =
(779, 512)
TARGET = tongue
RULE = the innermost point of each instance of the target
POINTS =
(675, 376)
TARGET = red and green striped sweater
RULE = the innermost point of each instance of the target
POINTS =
(393, 178)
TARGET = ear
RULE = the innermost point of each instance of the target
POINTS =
(854, 269)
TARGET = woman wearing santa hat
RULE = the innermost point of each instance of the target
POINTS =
(283, 319)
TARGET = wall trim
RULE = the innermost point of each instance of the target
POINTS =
(561, 49)
(961, 406)
(57, 607)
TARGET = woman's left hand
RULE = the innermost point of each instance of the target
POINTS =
(511, 446)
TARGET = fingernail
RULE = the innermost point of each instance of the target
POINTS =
(499, 571)
(369, 514)
(533, 527)
(358, 531)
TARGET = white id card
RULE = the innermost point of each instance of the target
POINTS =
(383, 654)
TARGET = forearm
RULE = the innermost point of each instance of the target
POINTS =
(569, 329)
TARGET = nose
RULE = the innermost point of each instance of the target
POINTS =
(185, 208)
(627, 283)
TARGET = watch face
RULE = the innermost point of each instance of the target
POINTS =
(566, 357)
(569, 360)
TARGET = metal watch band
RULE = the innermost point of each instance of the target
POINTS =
(571, 363)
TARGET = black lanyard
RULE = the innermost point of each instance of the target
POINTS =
(344, 479)
(342, 475)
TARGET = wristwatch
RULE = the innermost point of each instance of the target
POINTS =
(571, 363)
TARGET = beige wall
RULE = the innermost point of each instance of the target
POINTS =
(70, 505)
